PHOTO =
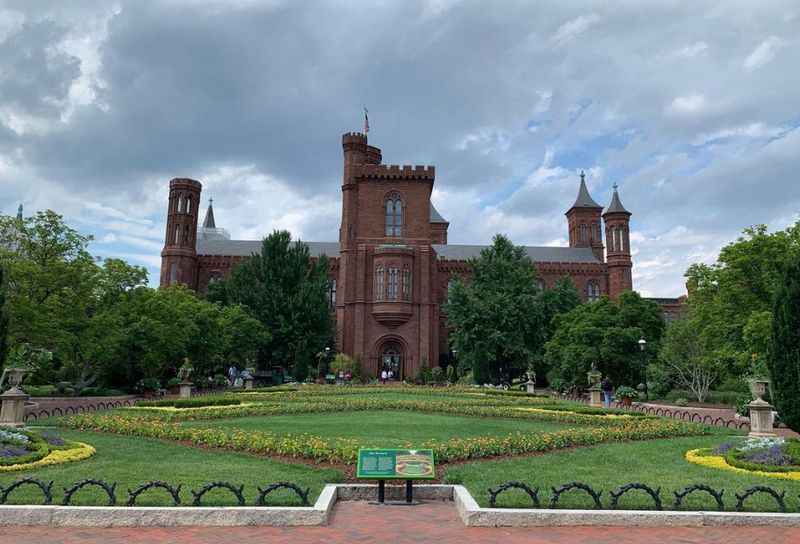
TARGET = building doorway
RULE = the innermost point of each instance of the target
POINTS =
(392, 360)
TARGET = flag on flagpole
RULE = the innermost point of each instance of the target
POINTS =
(366, 121)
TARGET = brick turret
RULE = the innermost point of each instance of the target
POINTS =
(179, 256)
(583, 219)
(617, 223)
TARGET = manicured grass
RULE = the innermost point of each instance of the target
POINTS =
(130, 461)
(657, 463)
(384, 429)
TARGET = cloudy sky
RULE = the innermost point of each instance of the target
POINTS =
(692, 107)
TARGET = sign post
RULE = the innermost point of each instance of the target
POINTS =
(395, 464)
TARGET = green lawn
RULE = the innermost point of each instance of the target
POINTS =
(655, 463)
(130, 461)
(384, 429)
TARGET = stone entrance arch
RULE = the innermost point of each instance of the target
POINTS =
(392, 355)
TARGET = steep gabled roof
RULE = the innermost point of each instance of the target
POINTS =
(584, 199)
(616, 204)
(209, 222)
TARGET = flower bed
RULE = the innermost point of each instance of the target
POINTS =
(196, 402)
(342, 450)
(772, 457)
(22, 449)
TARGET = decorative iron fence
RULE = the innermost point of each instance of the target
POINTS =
(35, 414)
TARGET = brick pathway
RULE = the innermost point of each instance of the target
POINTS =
(355, 522)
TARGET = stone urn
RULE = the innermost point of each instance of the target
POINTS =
(247, 377)
(761, 420)
(530, 385)
(595, 392)
(12, 413)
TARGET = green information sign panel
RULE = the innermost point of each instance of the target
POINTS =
(392, 464)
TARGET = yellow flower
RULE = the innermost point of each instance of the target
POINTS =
(56, 457)
(719, 462)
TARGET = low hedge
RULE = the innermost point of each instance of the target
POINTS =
(345, 450)
(545, 412)
(198, 402)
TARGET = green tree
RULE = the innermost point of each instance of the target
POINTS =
(784, 359)
(242, 336)
(286, 290)
(561, 299)
(3, 322)
(496, 317)
(606, 333)
(730, 300)
(684, 360)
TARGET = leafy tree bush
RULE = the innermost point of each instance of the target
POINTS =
(683, 356)
(286, 290)
(784, 360)
(500, 318)
(3, 322)
(606, 333)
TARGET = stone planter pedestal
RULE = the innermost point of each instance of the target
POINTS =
(530, 386)
(761, 418)
(248, 383)
(186, 390)
(595, 397)
(12, 413)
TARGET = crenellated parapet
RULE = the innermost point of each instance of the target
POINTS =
(395, 172)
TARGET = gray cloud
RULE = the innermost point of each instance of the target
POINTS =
(252, 96)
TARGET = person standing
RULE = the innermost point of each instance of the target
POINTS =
(384, 375)
(608, 390)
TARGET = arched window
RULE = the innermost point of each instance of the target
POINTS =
(406, 283)
(177, 235)
(541, 285)
(592, 291)
(188, 204)
(173, 273)
(392, 288)
(186, 238)
(379, 281)
(583, 232)
(598, 233)
(626, 241)
(394, 215)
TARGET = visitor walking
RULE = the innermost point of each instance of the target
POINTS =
(608, 390)
(384, 375)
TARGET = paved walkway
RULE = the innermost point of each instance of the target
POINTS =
(356, 522)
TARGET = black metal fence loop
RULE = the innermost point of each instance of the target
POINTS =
(110, 490)
(576, 485)
(688, 490)
(262, 493)
(238, 492)
(46, 488)
(779, 497)
(655, 494)
(533, 493)
(175, 492)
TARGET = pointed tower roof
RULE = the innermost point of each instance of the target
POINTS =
(584, 199)
(616, 204)
(209, 223)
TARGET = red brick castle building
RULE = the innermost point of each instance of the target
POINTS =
(392, 265)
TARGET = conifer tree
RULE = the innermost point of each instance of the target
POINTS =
(785, 351)
(3, 321)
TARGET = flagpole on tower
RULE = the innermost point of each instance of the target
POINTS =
(366, 120)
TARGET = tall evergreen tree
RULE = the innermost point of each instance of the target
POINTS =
(785, 351)
(3, 321)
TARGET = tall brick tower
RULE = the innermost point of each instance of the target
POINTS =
(617, 222)
(179, 256)
(583, 219)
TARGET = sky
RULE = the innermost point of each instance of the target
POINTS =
(692, 108)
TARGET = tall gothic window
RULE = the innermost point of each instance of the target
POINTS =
(392, 287)
(188, 204)
(394, 215)
(379, 282)
(592, 291)
(173, 273)
(332, 293)
(406, 283)
(598, 233)
(583, 232)
(177, 235)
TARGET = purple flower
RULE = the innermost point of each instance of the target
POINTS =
(722, 449)
(12, 451)
(773, 455)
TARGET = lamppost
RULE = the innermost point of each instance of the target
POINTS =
(642, 345)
